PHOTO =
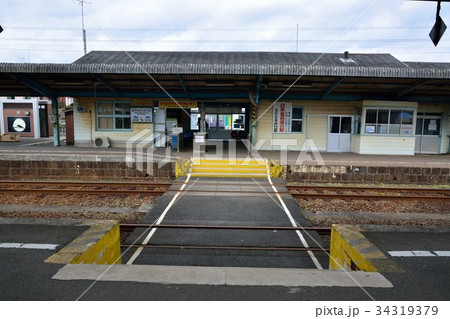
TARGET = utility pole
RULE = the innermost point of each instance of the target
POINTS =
(82, 24)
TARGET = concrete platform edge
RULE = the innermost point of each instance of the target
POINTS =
(230, 276)
(350, 248)
(99, 244)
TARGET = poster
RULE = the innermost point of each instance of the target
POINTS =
(432, 126)
(370, 129)
(282, 117)
(406, 129)
(142, 115)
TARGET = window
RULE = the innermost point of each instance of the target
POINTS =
(389, 121)
(238, 122)
(194, 121)
(113, 116)
(297, 119)
(211, 121)
(224, 121)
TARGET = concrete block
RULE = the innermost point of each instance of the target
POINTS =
(14, 172)
(363, 170)
(382, 170)
(422, 179)
(304, 176)
(4, 171)
(336, 177)
(15, 164)
(403, 170)
(371, 169)
(442, 179)
(392, 170)
(378, 178)
(316, 177)
(436, 171)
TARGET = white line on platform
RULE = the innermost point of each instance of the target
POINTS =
(160, 219)
(231, 276)
(293, 222)
(29, 246)
(419, 253)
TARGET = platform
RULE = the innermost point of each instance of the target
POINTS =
(35, 149)
(30, 159)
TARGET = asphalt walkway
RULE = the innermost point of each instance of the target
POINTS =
(227, 202)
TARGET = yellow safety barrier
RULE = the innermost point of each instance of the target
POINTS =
(349, 249)
(99, 244)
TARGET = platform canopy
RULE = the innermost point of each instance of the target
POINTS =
(231, 75)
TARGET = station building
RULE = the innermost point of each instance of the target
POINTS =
(25, 116)
(360, 103)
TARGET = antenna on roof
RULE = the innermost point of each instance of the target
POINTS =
(81, 2)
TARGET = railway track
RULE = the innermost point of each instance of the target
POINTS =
(368, 193)
(320, 230)
(158, 189)
(90, 188)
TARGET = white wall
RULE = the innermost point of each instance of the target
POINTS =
(314, 126)
(84, 124)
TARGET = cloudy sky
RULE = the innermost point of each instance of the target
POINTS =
(50, 30)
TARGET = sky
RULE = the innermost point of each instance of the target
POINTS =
(50, 31)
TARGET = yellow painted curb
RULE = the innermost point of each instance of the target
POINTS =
(99, 244)
(182, 167)
(276, 170)
(228, 161)
(349, 249)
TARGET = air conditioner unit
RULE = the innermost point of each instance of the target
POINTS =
(102, 142)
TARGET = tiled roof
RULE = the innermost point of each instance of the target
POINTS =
(239, 63)
(238, 58)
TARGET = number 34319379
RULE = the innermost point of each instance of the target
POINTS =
(407, 310)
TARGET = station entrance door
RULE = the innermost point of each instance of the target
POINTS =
(428, 133)
(339, 133)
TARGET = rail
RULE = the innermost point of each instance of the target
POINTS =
(319, 230)
(368, 193)
(92, 188)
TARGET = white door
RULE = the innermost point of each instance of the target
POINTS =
(159, 127)
(339, 133)
(428, 134)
